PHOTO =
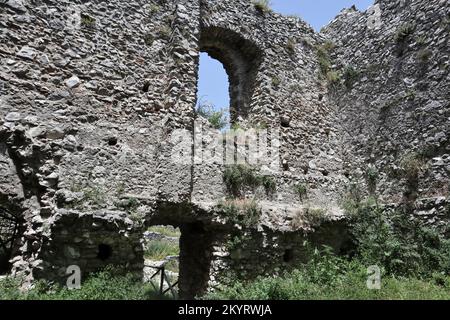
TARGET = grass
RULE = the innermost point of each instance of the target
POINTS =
(109, 284)
(167, 231)
(158, 250)
(244, 212)
(350, 285)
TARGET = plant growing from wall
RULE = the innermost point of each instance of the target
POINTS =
(350, 76)
(411, 166)
(301, 191)
(217, 118)
(423, 56)
(262, 6)
(87, 21)
(149, 39)
(291, 45)
(241, 178)
(402, 36)
(372, 176)
(243, 212)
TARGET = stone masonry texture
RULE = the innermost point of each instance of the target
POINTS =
(92, 92)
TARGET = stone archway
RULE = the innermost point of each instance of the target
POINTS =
(241, 59)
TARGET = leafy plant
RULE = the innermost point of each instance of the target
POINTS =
(262, 5)
(112, 283)
(291, 45)
(301, 190)
(241, 211)
(217, 118)
(87, 21)
(372, 176)
(350, 76)
(158, 250)
(149, 39)
(239, 178)
(401, 37)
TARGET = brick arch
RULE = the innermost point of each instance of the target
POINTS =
(241, 59)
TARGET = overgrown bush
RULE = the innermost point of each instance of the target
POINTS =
(327, 276)
(301, 190)
(241, 178)
(401, 37)
(109, 284)
(262, 5)
(241, 211)
(158, 250)
(350, 76)
(397, 242)
(217, 118)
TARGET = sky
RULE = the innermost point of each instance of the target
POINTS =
(213, 80)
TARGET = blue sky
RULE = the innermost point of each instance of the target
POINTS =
(213, 81)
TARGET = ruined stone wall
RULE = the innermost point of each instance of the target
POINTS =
(394, 107)
(93, 92)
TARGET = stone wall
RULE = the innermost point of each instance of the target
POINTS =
(394, 107)
(92, 94)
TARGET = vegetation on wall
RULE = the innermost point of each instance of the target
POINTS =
(241, 178)
(243, 212)
(217, 118)
(262, 5)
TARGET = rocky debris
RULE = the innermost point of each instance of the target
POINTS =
(27, 53)
(73, 82)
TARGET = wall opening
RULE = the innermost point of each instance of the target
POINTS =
(185, 252)
(241, 60)
(213, 99)
(288, 255)
(104, 252)
(11, 228)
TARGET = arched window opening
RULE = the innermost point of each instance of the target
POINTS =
(213, 99)
(241, 59)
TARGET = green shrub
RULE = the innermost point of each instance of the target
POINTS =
(241, 211)
(217, 118)
(327, 276)
(262, 5)
(324, 59)
(276, 81)
(350, 76)
(87, 21)
(372, 176)
(109, 284)
(149, 39)
(158, 250)
(241, 178)
(404, 32)
(301, 190)
(290, 46)
(397, 243)
(401, 37)
(424, 55)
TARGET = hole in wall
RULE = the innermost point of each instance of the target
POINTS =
(112, 141)
(146, 86)
(288, 255)
(104, 252)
